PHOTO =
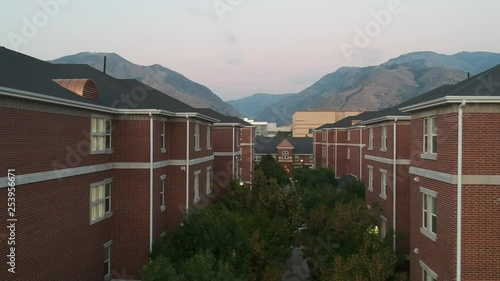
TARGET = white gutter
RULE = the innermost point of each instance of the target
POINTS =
(336, 140)
(394, 182)
(360, 154)
(187, 163)
(151, 182)
(459, 191)
(232, 152)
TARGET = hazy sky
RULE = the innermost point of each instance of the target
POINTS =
(240, 47)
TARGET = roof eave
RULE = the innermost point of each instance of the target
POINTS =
(451, 100)
(386, 118)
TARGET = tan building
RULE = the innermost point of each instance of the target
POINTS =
(304, 122)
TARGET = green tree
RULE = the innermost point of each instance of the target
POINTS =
(272, 169)
(283, 134)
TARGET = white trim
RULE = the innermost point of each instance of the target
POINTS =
(426, 268)
(439, 176)
(71, 172)
(451, 100)
(246, 143)
(428, 156)
(428, 191)
(107, 244)
(227, 153)
(387, 160)
(385, 118)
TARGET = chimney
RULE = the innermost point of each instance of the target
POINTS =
(468, 75)
(104, 69)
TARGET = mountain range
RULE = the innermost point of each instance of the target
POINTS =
(252, 105)
(385, 85)
(161, 78)
(348, 88)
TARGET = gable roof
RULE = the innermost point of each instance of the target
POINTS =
(484, 87)
(268, 145)
(285, 144)
(27, 77)
(347, 122)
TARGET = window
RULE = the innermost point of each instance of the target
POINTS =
(107, 260)
(348, 153)
(383, 227)
(100, 201)
(323, 152)
(296, 158)
(196, 187)
(370, 138)
(324, 136)
(100, 140)
(197, 136)
(429, 213)
(162, 137)
(383, 145)
(209, 137)
(427, 273)
(383, 184)
(370, 178)
(348, 135)
(258, 158)
(310, 131)
(209, 181)
(430, 135)
(162, 193)
(285, 155)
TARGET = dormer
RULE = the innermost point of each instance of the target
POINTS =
(83, 87)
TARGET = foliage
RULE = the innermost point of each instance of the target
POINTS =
(283, 134)
(248, 233)
(272, 169)
(314, 178)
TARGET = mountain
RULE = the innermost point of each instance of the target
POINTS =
(161, 78)
(253, 104)
(377, 87)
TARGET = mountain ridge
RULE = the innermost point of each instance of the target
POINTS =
(156, 76)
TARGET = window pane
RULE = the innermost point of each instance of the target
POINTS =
(106, 253)
(424, 274)
(108, 141)
(425, 219)
(425, 202)
(100, 125)
(426, 126)
(434, 144)
(106, 267)
(93, 212)
(100, 208)
(101, 192)
(94, 143)
(107, 205)
(434, 204)
(107, 190)
(434, 125)
(108, 126)
(93, 194)
(101, 143)
(426, 143)
(434, 224)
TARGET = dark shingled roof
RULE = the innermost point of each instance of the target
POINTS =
(268, 145)
(223, 118)
(22, 72)
(486, 83)
(347, 122)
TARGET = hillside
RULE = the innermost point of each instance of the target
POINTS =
(376, 87)
(161, 78)
(251, 105)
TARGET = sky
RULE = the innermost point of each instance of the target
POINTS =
(241, 47)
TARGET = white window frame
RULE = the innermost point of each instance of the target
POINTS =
(427, 273)
(429, 150)
(348, 153)
(196, 197)
(383, 227)
(429, 213)
(163, 205)
(100, 131)
(370, 178)
(348, 135)
(163, 138)
(383, 138)
(209, 180)
(107, 258)
(285, 154)
(209, 137)
(370, 138)
(197, 137)
(383, 184)
(98, 200)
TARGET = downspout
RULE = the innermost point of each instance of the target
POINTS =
(459, 191)
(150, 182)
(336, 141)
(394, 176)
(232, 176)
(187, 164)
(327, 147)
(360, 153)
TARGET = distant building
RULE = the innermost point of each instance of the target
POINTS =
(264, 129)
(289, 152)
(304, 122)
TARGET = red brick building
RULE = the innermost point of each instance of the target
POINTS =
(436, 154)
(102, 168)
(289, 152)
